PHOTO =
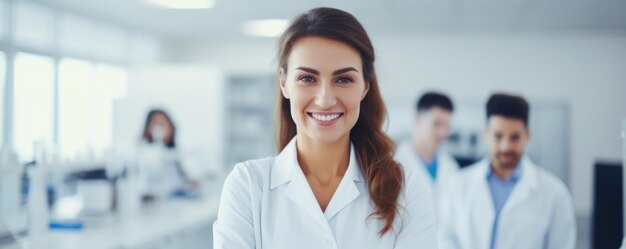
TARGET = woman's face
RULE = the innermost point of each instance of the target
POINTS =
(160, 128)
(324, 84)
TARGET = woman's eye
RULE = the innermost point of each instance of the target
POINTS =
(344, 80)
(306, 79)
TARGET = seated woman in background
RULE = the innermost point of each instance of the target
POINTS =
(161, 171)
(159, 128)
(334, 184)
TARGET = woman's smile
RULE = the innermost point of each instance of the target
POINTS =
(325, 118)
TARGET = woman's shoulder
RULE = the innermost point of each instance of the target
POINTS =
(252, 172)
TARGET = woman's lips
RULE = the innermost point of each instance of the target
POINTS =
(325, 118)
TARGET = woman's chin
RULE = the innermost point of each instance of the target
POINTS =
(326, 137)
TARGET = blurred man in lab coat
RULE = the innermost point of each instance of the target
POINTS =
(430, 130)
(506, 201)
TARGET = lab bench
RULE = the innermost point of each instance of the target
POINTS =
(172, 223)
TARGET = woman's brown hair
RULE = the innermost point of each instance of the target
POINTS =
(374, 149)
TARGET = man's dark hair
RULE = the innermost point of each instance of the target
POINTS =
(434, 99)
(509, 106)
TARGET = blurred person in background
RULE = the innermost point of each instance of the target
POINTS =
(159, 128)
(423, 152)
(162, 169)
(335, 183)
(505, 200)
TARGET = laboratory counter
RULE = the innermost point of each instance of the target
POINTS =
(171, 223)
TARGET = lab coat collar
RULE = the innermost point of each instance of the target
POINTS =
(528, 182)
(287, 161)
(482, 202)
(407, 155)
(513, 178)
(287, 169)
(526, 174)
(480, 195)
(284, 165)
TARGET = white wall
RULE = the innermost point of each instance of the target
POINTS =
(586, 70)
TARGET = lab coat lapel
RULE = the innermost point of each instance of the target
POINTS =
(287, 169)
(445, 170)
(483, 212)
(347, 190)
(527, 183)
(407, 155)
(301, 194)
(284, 165)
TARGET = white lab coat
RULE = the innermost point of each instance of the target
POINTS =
(538, 214)
(268, 203)
(447, 167)
(160, 171)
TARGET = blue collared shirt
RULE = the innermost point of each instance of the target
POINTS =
(431, 167)
(500, 192)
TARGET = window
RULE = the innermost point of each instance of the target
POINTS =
(74, 117)
(74, 90)
(33, 103)
(111, 84)
(86, 95)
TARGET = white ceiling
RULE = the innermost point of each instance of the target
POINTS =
(378, 16)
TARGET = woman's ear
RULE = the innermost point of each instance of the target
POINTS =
(282, 75)
(367, 88)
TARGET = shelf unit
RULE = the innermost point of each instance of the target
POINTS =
(249, 103)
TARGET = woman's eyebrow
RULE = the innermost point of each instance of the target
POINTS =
(344, 70)
(336, 72)
(309, 70)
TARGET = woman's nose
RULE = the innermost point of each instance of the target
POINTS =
(325, 98)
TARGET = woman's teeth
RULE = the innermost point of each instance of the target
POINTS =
(325, 117)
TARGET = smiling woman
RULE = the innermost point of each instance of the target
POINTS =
(335, 183)
(323, 88)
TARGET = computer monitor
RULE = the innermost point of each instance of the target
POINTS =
(465, 161)
(607, 223)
